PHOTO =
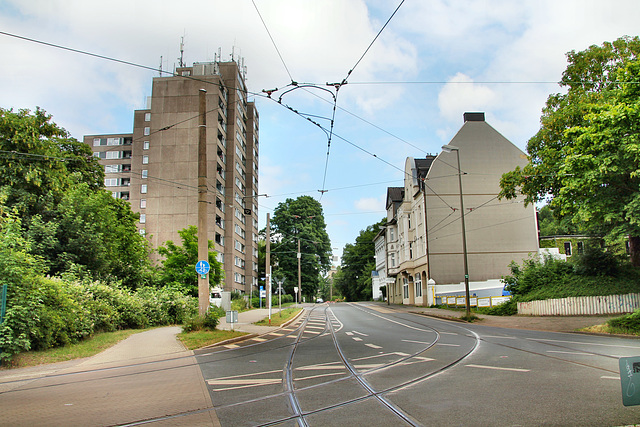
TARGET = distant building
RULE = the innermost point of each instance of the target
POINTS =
(424, 233)
(156, 168)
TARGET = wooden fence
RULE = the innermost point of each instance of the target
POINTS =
(581, 306)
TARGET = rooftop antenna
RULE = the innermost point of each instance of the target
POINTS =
(220, 54)
(160, 68)
(181, 62)
(233, 52)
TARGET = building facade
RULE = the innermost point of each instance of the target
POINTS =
(156, 166)
(425, 216)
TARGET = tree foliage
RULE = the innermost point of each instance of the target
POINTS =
(586, 156)
(300, 219)
(358, 261)
(178, 266)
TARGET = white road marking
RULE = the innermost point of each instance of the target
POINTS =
(418, 342)
(498, 336)
(258, 339)
(360, 333)
(365, 367)
(349, 333)
(498, 368)
(231, 346)
(356, 338)
(571, 352)
(606, 377)
(584, 343)
(319, 376)
(373, 346)
(448, 345)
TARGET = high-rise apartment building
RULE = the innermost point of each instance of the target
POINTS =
(156, 166)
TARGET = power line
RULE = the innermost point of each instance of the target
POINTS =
(272, 40)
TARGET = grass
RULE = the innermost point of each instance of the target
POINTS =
(85, 348)
(281, 317)
(198, 339)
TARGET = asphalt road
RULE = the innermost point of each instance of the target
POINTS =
(338, 364)
(362, 364)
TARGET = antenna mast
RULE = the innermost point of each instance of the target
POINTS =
(181, 63)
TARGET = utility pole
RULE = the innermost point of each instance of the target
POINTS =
(203, 241)
(267, 268)
(299, 274)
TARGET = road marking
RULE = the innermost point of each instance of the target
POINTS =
(323, 366)
(571, 352)
(316, 327)
(498, 336)
(497, 368)
(365, 367)
(448, 345)
(258, 339)
(584, 343)
(349, 333)
(418, 342)
(236, 386)
(360, 333)
(319, 376)
(606, 377)
(373, 346)
(273, 334)
(231, 346)
(356, 338)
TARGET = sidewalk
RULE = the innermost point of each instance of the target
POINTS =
(246, 320)
(538, 323)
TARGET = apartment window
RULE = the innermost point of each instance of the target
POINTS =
(143, 189)
(418, 284)
(144, 173)
(147, 117)
(145, 145)
(410, 250)
(393, 260)
(405, 288)
(111, 182)
(143, 218)
(114, 154)
(143, 203)
(145, 160)
(112, 168)
(147, 130)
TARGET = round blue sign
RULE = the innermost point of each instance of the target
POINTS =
(202, 267)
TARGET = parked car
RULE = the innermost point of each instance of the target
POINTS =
(319, 300)
(215, 297)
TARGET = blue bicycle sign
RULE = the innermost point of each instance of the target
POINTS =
(202, 267)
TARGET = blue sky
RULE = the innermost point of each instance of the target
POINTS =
(435, 60)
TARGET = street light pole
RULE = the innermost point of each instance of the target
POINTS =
(448, 149)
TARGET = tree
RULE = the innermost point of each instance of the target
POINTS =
(178, 267)
(550, 225)
(37, 159)
(358, 260)
(586, 156)
(300, 219)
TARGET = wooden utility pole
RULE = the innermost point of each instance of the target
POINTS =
(203, 241)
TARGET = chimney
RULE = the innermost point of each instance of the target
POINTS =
(473, 117)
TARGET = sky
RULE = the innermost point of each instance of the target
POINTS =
(409, 79)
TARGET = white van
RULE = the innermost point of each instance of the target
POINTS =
(215, 297)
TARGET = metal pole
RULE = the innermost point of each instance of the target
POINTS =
(464, 240)
(267, 267)
(299, 296)
(203, 241)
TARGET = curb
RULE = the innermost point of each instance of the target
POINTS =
(249, 335)
(435, 316)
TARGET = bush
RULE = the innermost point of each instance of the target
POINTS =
(629, 323)
(508, 308)
(596, 262)
(197, 323)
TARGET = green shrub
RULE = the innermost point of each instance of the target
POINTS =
(508, 308)
(628, 322)
(197, 323)
(596, 262)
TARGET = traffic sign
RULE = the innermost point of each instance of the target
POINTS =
(202, 267)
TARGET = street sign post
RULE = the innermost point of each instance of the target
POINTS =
(202, 268)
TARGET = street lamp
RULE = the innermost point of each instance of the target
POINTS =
(448, 149)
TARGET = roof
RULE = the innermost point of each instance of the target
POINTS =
(394, 195)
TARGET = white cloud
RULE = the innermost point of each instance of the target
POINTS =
(461, 94)
(370, 204)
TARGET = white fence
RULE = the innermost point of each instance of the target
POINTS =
(577, 306)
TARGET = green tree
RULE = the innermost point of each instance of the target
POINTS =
(550, 225)
(585, 157)
(300, 219)
(178, 267)
(37, 158)
(358, 261)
